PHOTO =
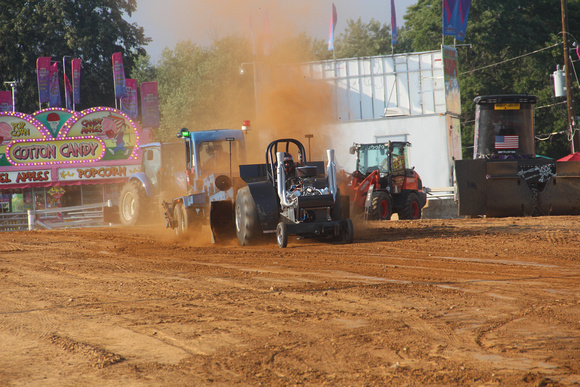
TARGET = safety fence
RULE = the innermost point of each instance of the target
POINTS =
(91, 215)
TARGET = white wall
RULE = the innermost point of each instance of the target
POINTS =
(429, 150)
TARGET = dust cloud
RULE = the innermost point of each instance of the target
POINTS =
(287, 104)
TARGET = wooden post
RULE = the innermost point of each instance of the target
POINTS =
(574, 135)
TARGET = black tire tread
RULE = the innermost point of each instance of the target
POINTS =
(407, 211)
(139, 197)
(375, 208)
(250, 230)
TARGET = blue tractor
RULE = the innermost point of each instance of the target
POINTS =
(212, 159)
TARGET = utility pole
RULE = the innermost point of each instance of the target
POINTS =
(575, 136)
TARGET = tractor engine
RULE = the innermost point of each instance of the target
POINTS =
(303, 196)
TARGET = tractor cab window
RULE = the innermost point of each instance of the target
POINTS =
(219, 156)
(372, 157)
(152, 163)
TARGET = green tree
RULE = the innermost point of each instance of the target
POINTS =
(202, 88)
(363, 39)
(91, 30)
(515, 47)
(143, 70)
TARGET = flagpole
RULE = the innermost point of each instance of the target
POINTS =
(574, 136)
(64, 79)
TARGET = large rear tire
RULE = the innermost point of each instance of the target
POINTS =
(132, 204)
(412, 208)
(381, 206)
(248, 228)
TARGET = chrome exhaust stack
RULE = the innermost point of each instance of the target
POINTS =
(331, 172)
(281, 178)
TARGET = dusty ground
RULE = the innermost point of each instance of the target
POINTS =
(430, 302)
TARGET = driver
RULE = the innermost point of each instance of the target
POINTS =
(289, 169)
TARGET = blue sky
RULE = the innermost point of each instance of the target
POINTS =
(171, 21)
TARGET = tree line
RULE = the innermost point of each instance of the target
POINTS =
(511, 46)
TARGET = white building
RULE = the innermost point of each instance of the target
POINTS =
(410, 97)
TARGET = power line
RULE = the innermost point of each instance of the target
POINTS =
(509, 60)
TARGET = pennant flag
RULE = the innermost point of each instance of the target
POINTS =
(455, 15)
(462, 16)
(76, 80)
(119, 75)
(5, 104)
(129, 104)
(43, 77)
(393, 23)
(332, 27)
(68, 91)
(266, 34)
(149, 105)
(54, 87)
(252, 35)
(449, 17)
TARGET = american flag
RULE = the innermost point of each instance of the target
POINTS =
(507, 142)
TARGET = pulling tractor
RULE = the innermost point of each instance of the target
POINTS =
(384, 183)
(212, 158)
(290, 198)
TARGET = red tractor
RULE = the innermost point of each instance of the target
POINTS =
(384, 183)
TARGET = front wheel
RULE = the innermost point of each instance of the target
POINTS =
(181, 218)
(282, 235)
(381, 206)
(411, 208)
(132, 204)
(348, 231)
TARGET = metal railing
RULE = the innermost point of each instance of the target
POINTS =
(439, 193)
(91, 215)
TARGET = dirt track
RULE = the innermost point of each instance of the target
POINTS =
(430, 302)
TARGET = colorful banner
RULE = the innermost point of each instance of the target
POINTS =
(129, 104)
(393, 23)
(55, 100)
(5, 101)
(119, 75)
(149, 105)
(76, 80)
(43, 77)
(56, 144)
(331, 29)
(463, 15)
(449, 17)
(27, 176)
(97, 173)
(455, 16)
(42, 152)
(452, 97)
